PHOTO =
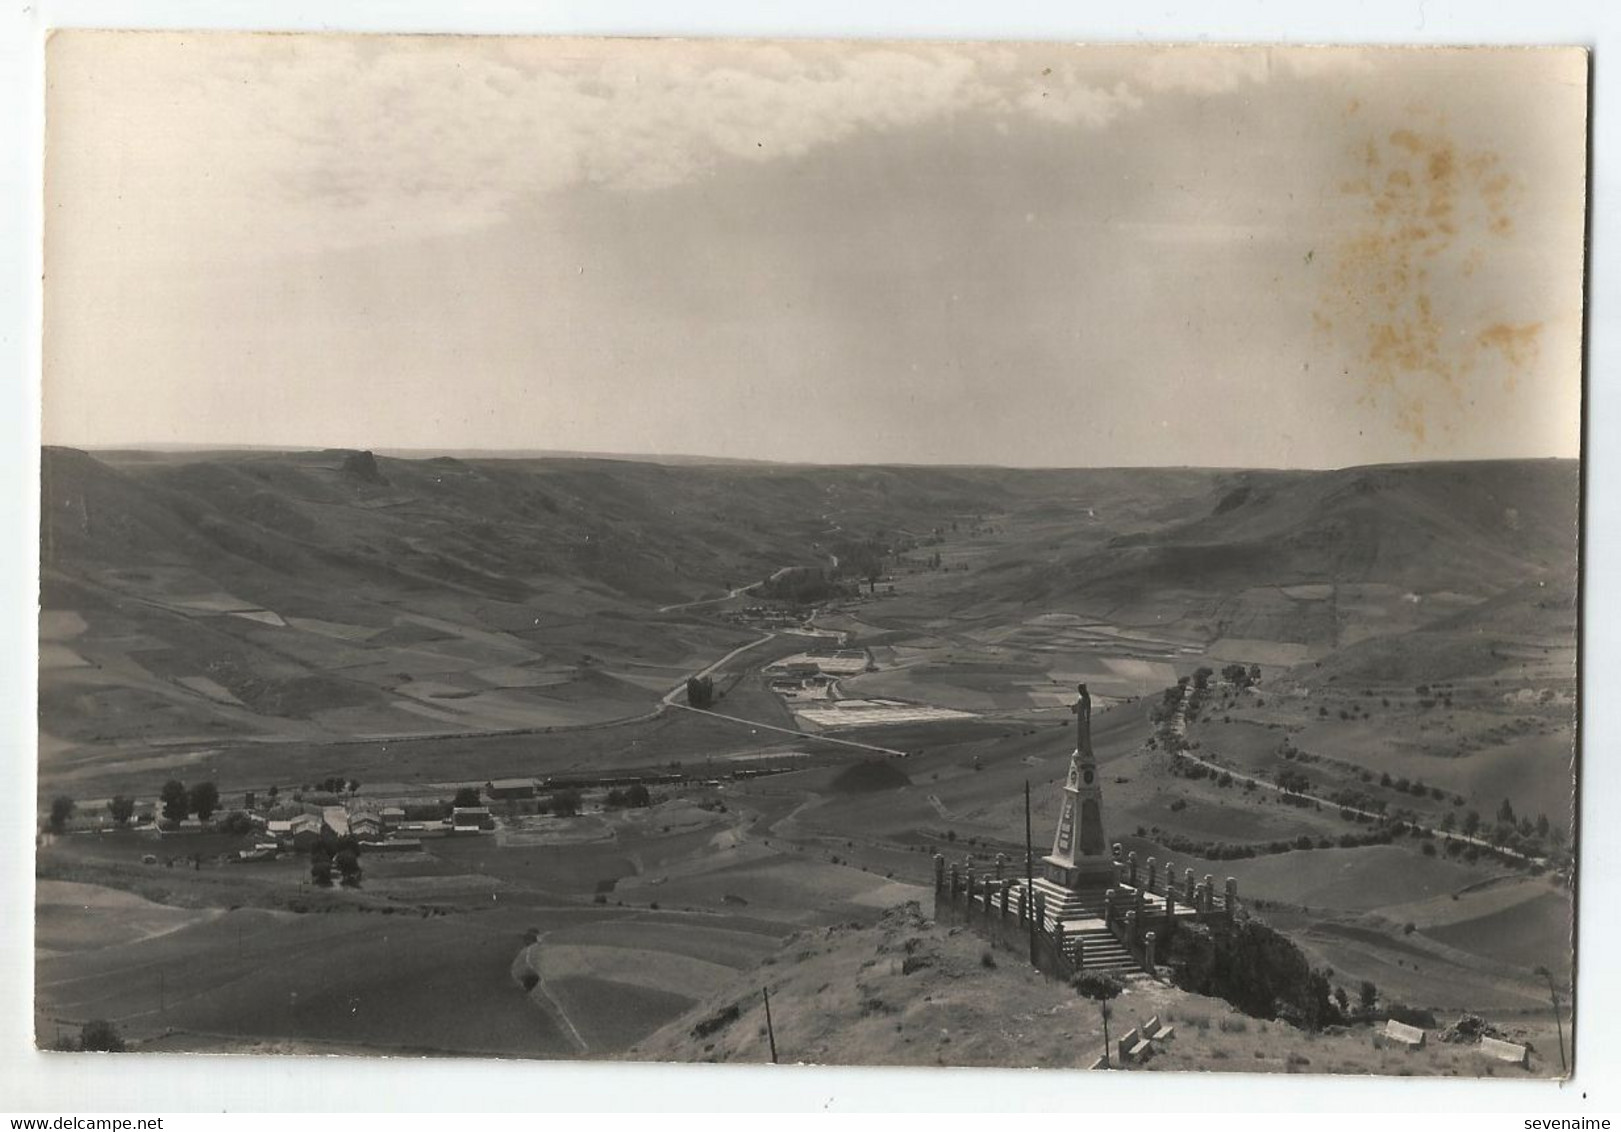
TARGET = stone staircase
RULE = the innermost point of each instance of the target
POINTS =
(1093, 947)
(1087, 941)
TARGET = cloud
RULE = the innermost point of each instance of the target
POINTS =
(1075, 103)
(331, 139)
(1208, 70)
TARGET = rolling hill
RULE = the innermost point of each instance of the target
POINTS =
(1326, 558)
(195, 598)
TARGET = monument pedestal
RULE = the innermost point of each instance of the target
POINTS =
(1082, 873)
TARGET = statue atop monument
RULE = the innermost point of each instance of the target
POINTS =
(1079, 846)
(1083, 722)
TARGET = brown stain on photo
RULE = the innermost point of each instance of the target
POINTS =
(1429, 215)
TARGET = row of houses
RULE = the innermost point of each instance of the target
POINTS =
(385, 829)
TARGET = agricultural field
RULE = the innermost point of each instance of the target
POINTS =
(443, 629)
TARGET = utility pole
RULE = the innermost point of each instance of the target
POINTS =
(770, 1031)
(1029, 875)
(1559, 1025)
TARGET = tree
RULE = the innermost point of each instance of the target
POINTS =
(1255, 674)
(466, 797)
(354, 786)
(1100, 988)
(638, 797)
(61, 810)
(205, 799)
(176, 802)
(1367, 995)
(101, 1036)
(321, 866)
(236, 823)
(1471, 823)
(1505, 812)
(615, 799)
(566, 803)
(700, 692)
(1542, 826)
(272, 793)
(348, 862)
(1343, 999)
(121, 809)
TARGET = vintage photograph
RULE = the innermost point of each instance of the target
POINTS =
(840, 552)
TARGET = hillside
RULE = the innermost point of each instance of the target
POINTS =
(1326, 558)
(907, 992)
(196, 598)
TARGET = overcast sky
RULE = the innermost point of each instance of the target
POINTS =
(1011, 254)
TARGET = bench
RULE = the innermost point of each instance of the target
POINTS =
(1157, 1032)
(1133, 1046)
(1403, 1034)
(1506, 1051)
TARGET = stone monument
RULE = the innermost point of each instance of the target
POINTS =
(1080, 857)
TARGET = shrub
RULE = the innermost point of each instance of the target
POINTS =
(1096, 985)
(986, 959)
(61, 810)
(101, 1036)
(530, 980)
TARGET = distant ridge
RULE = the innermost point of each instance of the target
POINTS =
(687, 459)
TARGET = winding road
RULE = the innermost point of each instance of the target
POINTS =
(1179, 726)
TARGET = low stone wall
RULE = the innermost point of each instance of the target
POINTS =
(959, 901)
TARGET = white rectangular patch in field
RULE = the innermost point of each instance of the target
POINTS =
(1051, 699)
(1145, 671)
(213, 690)
(60, 624)
(843, 663)
(263, 616)
(52, 655)
(875, 713)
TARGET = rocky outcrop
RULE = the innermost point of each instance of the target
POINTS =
(363, 466)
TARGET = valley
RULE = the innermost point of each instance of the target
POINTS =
(1398, 642)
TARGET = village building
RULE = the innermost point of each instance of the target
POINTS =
(471, 818)
(336, 818)
(300, 832)
(503, 789)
